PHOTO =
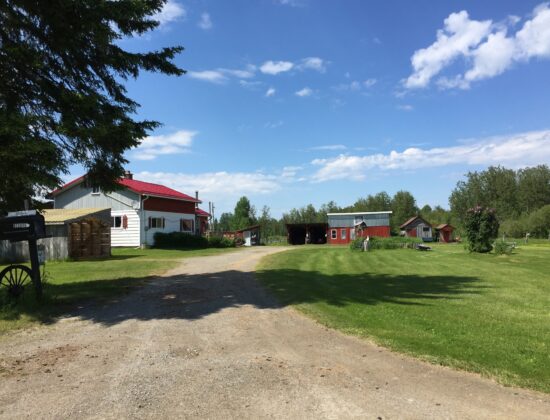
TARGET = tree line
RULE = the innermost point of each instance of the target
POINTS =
(520, 198)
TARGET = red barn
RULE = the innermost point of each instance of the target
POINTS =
(345, 227)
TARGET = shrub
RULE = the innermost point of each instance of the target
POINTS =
(503, 248)
(219, 242)
(481, 226)
(179, 240)
(393, 242)
(356, 244)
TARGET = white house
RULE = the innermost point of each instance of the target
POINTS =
(138, 210)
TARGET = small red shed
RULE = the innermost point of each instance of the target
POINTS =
(445, 232)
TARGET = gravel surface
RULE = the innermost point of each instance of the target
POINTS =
(206, 341)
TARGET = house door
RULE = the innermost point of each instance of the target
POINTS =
(247, 235)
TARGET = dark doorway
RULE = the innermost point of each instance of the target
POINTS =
(311, 233)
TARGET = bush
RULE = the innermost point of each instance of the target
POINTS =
(481, 226)
(219, 242)
(179, 240)
(502, 247)
(393, 242)
(356, 244)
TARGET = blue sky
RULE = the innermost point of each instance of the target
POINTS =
(292, 102)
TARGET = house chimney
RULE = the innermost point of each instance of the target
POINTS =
(197, 198)
(128, 175)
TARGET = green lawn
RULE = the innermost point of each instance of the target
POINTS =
(484, 313)
(69, 282)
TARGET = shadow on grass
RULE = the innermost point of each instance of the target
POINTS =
(195, 296)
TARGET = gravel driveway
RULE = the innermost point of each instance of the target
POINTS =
(206, 341)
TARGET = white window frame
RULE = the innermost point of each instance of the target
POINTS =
(344, 234)
(352, 234)
(96, 190)
(154, 222)
(113, 222)
(333, 233)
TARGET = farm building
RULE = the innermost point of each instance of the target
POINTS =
(249, 235)
(138, 210)
(306, 233)
(345, 227)
(70, 233)
(444, 233)
(417, 227)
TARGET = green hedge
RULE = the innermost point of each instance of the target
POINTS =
(180, 240)
(393, 242)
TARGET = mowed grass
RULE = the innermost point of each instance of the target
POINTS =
(484, 313)
(67, 283)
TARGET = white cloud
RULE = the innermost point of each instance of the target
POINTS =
(304, 92)
(369, 82)
(205, 22)
(292, 3)
(270, 92)
(252, 85)
(313, 63)
(458, 36)
(355, 85)
(275, 124)
(213, 76)
(486, 47)
(276, 67)
(220, 183)
(166, 144)
(518, 150)
(171, 11)
(222, 75)
(329, 147)
(405, 107)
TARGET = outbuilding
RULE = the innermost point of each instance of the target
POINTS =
(417, 227)
(306, 233)
(345, 227)
(444, 232)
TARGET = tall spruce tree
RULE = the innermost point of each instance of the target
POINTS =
(62, 98)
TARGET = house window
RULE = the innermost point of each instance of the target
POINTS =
(426, 229)
(156, 222)
(95, 190)
(333, 234)
(186, 225)
(343, 233)
(117, 222)
(352, 234)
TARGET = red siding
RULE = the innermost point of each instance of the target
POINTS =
(172, 206)
(380, 231)
(411, 233)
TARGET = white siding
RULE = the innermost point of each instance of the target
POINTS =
(171, 223)
(129, 236)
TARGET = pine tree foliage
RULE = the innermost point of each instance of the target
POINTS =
(62, 94)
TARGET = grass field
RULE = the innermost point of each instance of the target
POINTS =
(69, 282)
(484, 313)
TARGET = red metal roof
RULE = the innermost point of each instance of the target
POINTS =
(201, 212)
(148, 188)
(140, 187)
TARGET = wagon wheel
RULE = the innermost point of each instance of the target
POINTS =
(15, 278)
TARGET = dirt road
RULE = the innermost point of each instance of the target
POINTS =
(206, 341)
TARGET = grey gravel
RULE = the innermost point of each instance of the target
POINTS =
(206, 341)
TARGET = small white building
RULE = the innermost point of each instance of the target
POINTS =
(138, 210)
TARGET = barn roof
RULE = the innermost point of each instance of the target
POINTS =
(443, 226)
(201, 212)
(139, 187)
(413, 219)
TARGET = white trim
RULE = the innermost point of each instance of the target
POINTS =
(360, 213)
